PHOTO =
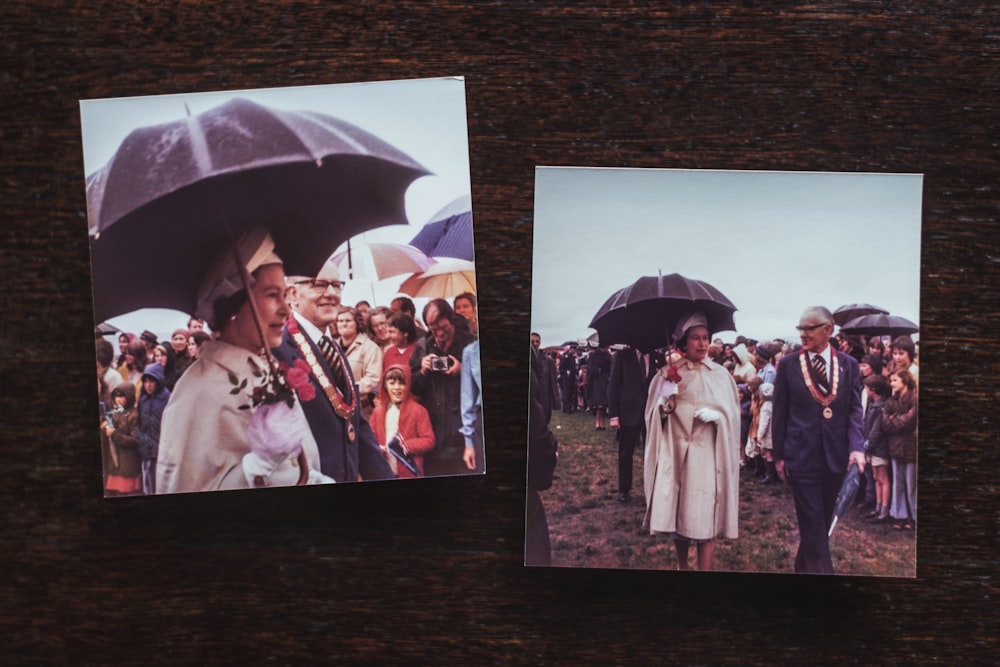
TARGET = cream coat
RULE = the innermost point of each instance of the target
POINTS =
(204, 436)
(692, 467)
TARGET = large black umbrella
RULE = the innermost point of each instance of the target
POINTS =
(879, 324)
(851, 311)
(449, 233)
(175, 195)
(645, 313)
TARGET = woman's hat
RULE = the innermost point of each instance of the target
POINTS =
(695, 319)
(255, 248)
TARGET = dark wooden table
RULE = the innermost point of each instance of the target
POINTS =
(401, 572)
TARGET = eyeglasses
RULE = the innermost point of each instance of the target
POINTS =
(321, 286)
(811, 327)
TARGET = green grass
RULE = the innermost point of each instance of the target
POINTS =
(590, 528)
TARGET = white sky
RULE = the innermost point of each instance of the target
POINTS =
(424, 118)
(775, 243)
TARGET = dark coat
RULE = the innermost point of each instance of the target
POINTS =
(802, 437)
(876, 438)
(441, 395)
(899, 419)
(340, 457)
(598, 372)
(124, 439)
(627, 388)
(151, 407)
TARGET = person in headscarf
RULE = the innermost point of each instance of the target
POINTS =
(212, 439)
(693, 429)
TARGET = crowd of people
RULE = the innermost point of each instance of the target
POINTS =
(344, 394)
(706, 413)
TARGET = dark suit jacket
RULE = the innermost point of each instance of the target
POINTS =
(805, 440)
(627, 388)
(339, 457)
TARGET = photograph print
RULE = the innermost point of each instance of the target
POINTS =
(724, 371)
(284, 286)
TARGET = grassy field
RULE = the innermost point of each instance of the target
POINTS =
(589, 527)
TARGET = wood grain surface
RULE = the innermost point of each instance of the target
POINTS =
(377, 573)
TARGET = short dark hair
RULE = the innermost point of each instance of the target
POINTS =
(879, 385)
(406, 305)
(105, 352)
(905, 343)
(874, 361)
(443, 308)
(404, 324)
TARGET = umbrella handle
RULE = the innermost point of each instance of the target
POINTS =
(254, 311)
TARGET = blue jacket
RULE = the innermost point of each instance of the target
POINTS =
(151, 408)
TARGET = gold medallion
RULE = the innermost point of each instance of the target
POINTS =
(352, 434)
(828, 413)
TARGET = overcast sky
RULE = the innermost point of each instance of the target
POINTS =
(424, 118)
(773, 242)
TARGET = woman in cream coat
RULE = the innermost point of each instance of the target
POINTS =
(208, 440)
(692, 465)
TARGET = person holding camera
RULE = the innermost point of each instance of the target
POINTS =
(402, 426)
(437, 384)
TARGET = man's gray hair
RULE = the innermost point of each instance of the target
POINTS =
(820, 311)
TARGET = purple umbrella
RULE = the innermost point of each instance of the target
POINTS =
(175, 195)
(449, 233)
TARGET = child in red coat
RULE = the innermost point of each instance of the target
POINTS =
(398, 415)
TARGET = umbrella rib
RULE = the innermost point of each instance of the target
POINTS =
(347, 139)
(199, 146)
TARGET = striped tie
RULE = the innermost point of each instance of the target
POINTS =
(333, 361)
(819, 365)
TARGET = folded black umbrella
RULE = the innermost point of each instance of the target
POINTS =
(845, 497)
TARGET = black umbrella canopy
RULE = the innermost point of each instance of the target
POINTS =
(851, 311)
(880, 324)
(175, 195)
(645, 313)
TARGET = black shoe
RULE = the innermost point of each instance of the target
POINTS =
(624, 496)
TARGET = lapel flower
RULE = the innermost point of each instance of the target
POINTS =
(673, 375)
(279, 384)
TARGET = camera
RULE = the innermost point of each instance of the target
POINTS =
(439, 363)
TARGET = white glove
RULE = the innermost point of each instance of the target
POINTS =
(667, 389)
(708, 415)
(274, 435)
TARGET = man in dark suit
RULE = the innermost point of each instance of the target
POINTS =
(816, 433)
(347, 445)
(627, 389)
